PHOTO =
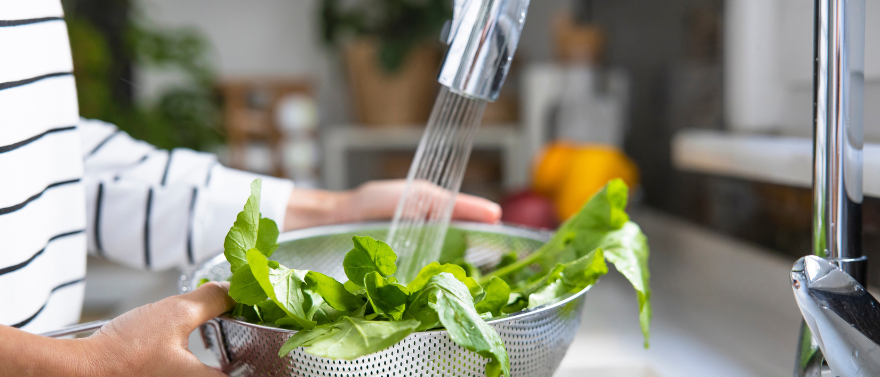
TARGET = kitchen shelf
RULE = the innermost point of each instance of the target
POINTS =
(782, 160)
(338, 141)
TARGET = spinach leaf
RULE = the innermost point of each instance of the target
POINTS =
(355, 289)
(349, 338)
(627, 249)
(515, 303)
(244, 288)
(471, 270)
(319, 310)
(386, 298)
(282, 285)
(497, 295)
(333, 292)
(452, 305)
(245, 312)
(243, 234)
(602, 223)
(585, 271)
(267, 237)
(269, 311)
(368, 255)
(569, 278)
(435, 268)
(250, 231)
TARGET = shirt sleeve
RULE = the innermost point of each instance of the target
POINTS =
(155, 209)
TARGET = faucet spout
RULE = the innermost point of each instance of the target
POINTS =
(842, 316)
(482, 39)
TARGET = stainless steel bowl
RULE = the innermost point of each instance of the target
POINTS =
(536, 339)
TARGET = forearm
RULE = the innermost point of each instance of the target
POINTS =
(25, 354)
(308, 208)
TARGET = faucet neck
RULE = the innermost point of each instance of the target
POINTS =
(838, 133)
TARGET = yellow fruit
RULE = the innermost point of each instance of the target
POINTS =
(590, 168)
(552, 167)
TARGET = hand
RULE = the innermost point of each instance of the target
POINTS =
(375, 200)
(151, 340)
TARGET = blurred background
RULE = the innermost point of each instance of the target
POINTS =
(702, 106)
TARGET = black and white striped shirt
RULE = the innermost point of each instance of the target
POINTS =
(68, 185)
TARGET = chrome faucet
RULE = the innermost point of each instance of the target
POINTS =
(838, 84)
(482, 38)
(843, 317)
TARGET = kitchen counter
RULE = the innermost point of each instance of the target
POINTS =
(722, 308)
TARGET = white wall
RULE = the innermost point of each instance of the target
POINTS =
(769, 71)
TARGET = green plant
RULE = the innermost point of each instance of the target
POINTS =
(399, 25)
(186, 114)
(373, 311)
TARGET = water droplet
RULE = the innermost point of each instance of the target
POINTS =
(855, 353)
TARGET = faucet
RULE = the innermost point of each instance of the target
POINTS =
(824, 288)
(843, 317)
(482, 38)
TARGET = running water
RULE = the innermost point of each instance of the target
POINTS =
(434, 179)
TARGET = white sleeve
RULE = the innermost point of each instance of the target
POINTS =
(154, 209)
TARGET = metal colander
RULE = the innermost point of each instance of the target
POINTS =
(536, 339)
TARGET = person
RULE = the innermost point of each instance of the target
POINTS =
(69, 186)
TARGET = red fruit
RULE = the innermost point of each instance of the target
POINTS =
(530, 209)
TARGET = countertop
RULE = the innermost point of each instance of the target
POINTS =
(722, 307)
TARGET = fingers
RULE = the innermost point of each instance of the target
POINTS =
(208, 301)
(379, 199)
(473, 208)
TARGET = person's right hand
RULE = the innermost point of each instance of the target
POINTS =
(153, 339)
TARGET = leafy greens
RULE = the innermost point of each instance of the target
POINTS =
(373, 311)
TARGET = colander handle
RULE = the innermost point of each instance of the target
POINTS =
(214, 325)
(76, 329)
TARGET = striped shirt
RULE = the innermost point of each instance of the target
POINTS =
(70, 185)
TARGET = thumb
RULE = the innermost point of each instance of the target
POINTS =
(208, 301)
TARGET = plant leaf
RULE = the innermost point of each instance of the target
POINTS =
(349, 338)
(246, 312)
(267, 237)
(584, 271)
(269, 311)
(354, 289)
(333, 292)
(282, 285)
(627, 249)
(435, 268)
(568, 278)
(497, 296)
(386, 297)
(368, 255)
(244, 288)
(243, 234)
(453, 306)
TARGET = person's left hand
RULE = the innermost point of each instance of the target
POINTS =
(375, 200)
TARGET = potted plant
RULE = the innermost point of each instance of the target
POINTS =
(391, 50)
